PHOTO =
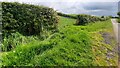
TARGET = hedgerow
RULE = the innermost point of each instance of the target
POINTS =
(83, 19)
(118, 17)
(28, 19)
(118, 13)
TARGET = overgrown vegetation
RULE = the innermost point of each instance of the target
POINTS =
(28, 19)
(60, 49)
(71, 45)
(15, 39)
(83, 19)
(118, 17)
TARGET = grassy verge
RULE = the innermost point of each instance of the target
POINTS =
(64, 48)
(71, 46)
(103, 41)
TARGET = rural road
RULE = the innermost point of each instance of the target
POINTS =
(116, 27)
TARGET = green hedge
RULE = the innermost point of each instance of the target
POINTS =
(119, 16)
(28, 19)
(83, 19)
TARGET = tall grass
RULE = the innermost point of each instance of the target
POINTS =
(15, 39)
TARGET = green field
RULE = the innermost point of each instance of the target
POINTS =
(71, 46)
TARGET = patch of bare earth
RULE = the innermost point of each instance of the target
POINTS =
(110, 40)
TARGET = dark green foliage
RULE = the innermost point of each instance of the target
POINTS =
(66, 15)
(102, 16)
(28, 19)
(118, 20)
(82, 19)
(118, 14)
(85, 19)
(118, 17)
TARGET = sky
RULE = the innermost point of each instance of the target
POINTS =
(93, 7)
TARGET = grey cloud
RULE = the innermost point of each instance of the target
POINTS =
(101, 5)
(104, 8)
(94, 8)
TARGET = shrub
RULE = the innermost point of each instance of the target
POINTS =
(118, 20)
(85, 19)
(118, 14)
(28, 19)
(82, 19)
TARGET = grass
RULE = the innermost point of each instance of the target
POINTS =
(65, 49)
(98, 43)
(67, 52)
(63, 22)
(71, 46)
(24, 53)
(16, 39)
(67, 22)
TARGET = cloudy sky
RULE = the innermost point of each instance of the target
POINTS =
(93, 7)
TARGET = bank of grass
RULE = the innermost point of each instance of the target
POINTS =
(71, 46)
(64, 48)
(100, 49)
(103, 52)
(72, 49)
